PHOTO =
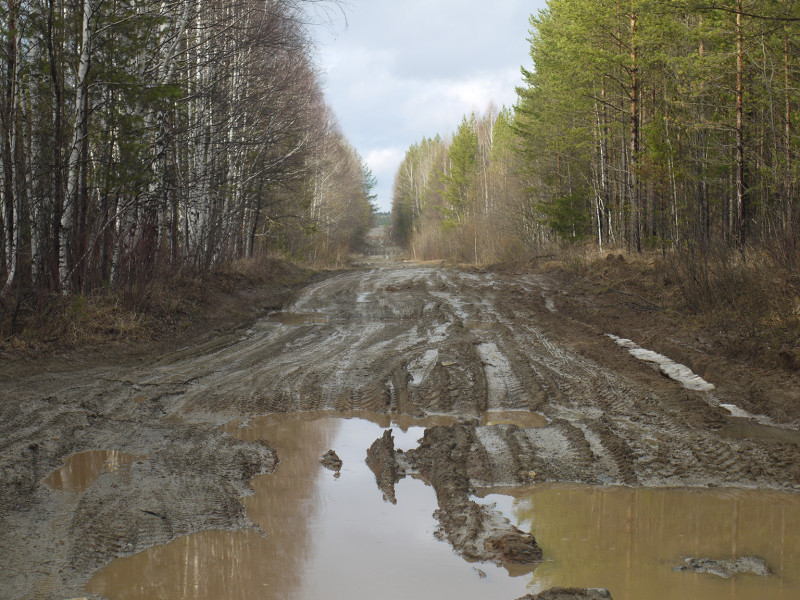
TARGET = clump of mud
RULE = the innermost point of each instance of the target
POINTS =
(475, 531)
(382, 460)
(330, 460)
(570, 594)
(192, 479)
(726, 568)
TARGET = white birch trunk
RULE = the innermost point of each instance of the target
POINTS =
(78, 131)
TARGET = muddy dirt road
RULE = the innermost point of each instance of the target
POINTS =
(513, 393)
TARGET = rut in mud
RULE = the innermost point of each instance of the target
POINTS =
(418, 341)
(426, 341)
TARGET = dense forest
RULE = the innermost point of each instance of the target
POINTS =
(140, 138)
(641, 124)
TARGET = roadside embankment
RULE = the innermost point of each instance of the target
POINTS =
(164, 313)
(734, 320)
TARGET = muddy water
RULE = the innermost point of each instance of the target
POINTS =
(336, 538)
(629, 540)
(82, 469)
(323, 537)
(740, 428)
(522, 418)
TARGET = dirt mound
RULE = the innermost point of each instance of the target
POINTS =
(475, 531)
(570, 594)
(331, 461)
(382, 460)
(743, 338)
(726, 568)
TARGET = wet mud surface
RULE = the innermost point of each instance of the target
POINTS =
(631, 539)
(570, 594)
(513, 390)
(320, 536)
(726, 568)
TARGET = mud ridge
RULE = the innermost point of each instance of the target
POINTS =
(382, 461)
(404, 340)
(475, 531)
(726, 568)
(189, 478)
(570, 594)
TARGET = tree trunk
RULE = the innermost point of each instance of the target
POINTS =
(635, 237)
(741, 191)
(788, 189)
(58, 145)
(7, 151)
(79, 131)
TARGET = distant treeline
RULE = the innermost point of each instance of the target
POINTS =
(641, 124)
(382, 219)
(139, 138)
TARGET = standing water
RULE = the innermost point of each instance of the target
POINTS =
(324, 537)
(335, 537)
(82, 469)
(630, 540)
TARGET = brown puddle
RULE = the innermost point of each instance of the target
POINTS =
(629, 540)
(522, 418)
(82, 469)
(740, 428)
(324, 537)
(336, 538)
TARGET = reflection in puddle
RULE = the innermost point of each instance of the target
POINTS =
(82, 469)
(628, 540)
(336, 538)
(740, 428)
(324, 537)
(522, 418)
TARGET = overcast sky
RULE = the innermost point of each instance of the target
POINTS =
(396, 71)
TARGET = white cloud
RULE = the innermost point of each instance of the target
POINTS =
(437, 107)
(381, 159)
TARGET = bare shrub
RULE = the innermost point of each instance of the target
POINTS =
(723, 278)
(753, 297)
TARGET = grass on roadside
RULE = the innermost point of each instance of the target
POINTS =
(747, 303)
(161, 308)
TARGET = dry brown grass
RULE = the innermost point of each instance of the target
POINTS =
(747, 304)
(483, 239)
(751, 297)
(162, 308)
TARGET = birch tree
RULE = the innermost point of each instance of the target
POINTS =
(139, 138)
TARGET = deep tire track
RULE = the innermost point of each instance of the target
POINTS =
(414, 340)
